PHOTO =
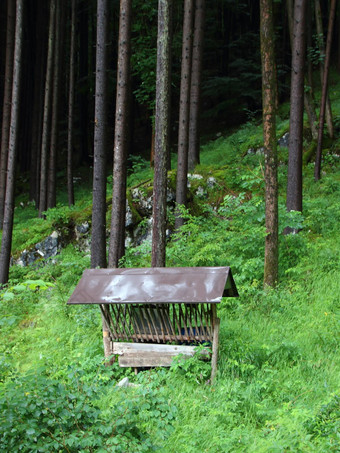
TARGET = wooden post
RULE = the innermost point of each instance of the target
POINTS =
(216, 327)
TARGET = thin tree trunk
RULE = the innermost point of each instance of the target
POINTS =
(184, 105)
(38, 103)
(294, 185)
(98, 240)
(162, 121)
(308, 97)
(269, 138)
(51, 186)
(6, 242)
(195, 89)
(117, 230)
(70, 133)
(47, 113)
(317, 169)
(6, 112)
(319, 29)
(84, 79)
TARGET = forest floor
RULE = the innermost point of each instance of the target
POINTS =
(277, 387)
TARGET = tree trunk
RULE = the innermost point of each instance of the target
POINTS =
(83, 81)
(6, 112)
(38, 101)
(294, 185)
(269, 139)
(308, 97)
(117, 230)
(51, 186)
(317, 169)
(183, 124)
(47, 113)
(338, 27)
(70, 132)
(5, 252)
(319, 29)
(162, 121)
(195, 89)
(98, 240)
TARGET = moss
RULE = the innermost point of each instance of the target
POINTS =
(135, 214)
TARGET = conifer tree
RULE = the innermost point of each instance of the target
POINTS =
(269, 139)
(162, 120)
(6, 242)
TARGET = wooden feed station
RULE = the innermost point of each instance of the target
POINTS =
(155, 314)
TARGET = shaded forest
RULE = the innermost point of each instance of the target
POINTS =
(71, 114)
(231, 77)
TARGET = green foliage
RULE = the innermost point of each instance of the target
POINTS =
(196, 369)
(326, 423)
(277, 385)
(210, 240)
(41, 414)
(32, 285)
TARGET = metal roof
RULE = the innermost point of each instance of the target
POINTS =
(154, 285)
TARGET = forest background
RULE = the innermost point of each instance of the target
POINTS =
(278, 361)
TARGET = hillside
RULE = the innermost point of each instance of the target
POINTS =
(277, 387)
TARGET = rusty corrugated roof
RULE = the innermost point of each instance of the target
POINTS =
(154, 285)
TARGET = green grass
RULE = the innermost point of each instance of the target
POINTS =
(277, 387)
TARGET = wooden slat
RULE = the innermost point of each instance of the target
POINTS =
(139, 355)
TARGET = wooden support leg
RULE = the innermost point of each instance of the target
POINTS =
(216, 325)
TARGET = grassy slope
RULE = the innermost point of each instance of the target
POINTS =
(279, 368)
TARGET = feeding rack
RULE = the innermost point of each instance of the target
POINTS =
(154, 314)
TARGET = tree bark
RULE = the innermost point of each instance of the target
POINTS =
(38, 101)
(51, 185)
(5, 252)
(162, 121)
(319, 29)
(6, 112)
(195, 89)
(83, 82)
(47, 113)
(317, 169)
(98, 240)
(294, 185)
(184, 105)
(269, 139)
(308, 97)
(120, 152)
(70, 129)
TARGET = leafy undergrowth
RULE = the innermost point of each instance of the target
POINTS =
(277, 387)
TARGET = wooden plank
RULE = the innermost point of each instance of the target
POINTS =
(142, 354)
(126, 348)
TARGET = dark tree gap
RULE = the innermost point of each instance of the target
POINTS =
(323, 106)
(322, 50)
